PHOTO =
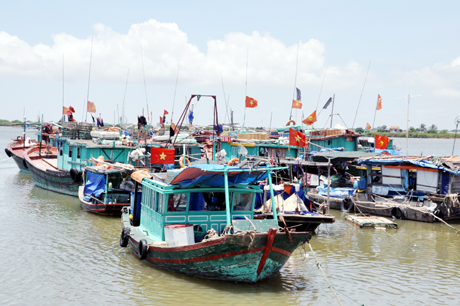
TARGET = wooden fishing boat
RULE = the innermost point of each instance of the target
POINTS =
(17, 149)
(106, 189)
(200, 221)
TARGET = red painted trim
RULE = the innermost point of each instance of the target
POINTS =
(205, 258)
(286, 253)
(188, 247)
(270, 238)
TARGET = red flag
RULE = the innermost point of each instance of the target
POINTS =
(90, 107)
(165, 113)
(310, 119)
(297, 139)
(368, 126)
(161, 156)
(381, 142)
(71, 109)
(251, 102)
(161, 121)
(66, 111)
(379, 102)
(296, 104)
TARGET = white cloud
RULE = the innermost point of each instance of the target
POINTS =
(165, 47)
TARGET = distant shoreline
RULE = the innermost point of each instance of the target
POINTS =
(416, 135)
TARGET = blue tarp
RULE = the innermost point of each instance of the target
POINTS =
(205, 174)
(95, 185)
(335, 192)
(401, 161)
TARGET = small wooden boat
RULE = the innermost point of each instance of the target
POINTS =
(42, 164)
(106, 189)
(17, 149)
(199, 221)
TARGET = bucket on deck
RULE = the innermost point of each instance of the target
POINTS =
(179, 234)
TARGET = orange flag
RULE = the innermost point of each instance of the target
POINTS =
(66, 111)
(296, 104)
(310, 119)
(381, 142)
(91, 107)
(368, 126)
(251, 102)
(379, 103)
(297, 139)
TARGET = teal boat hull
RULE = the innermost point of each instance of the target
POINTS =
(247, 257)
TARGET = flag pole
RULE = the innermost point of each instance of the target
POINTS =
(63, 118)
(145, 85)
(332, 110)
(375, 112)
(246, 88)
(89, 77)
(175, 90)
(295, 79)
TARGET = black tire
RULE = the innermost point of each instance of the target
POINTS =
(8, 152)
(124, 239)
(438, 213)
(347, 204)
(143, 249)
(75, 175)
(397, 213)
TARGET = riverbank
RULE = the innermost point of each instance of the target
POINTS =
(413, 135)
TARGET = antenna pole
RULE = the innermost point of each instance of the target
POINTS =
(361, 94)
(246, 88)
(375, 112)
(175, 89)
(295, 79)
(124, 97)
(457, 121)
(63, 118)
(145, 86)
(407, 129)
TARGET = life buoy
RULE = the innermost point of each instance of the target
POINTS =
(398, 213)
(75, 175)
(347, 204)
(8, 152)
(143, 249)
(233, 160)
(289, 122)
(181, 162)
(124, 238)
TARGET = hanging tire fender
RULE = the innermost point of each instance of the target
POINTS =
(347, 205)
(398, 213)
(75, 175)
(8, 152)
(124, 238)
(143, 249)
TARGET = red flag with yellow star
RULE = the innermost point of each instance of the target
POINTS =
(251, 102)
(296, 104)
(297, 139)
(368, 126)
(161, 156)
(381, 142)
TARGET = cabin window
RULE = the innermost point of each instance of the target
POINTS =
(242, 202)
(161, 201)
(209, 201)
(78, 152)
(70, 152)
(177, 202)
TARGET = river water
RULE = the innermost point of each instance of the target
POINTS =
(52, 252)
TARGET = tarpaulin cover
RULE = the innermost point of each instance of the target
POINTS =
(341, 156)
(335, 192)
(207, 175)
(95, 185)
(402, 161)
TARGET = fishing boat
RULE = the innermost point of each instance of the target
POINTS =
(199, 221)
(106, 188)
(17, 149)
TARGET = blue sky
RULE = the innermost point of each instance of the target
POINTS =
(411, 46)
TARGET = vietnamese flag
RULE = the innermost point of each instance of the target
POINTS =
(161, 156)
(296, 104)
(90, 107)
(379, 103)
(368, 126)
(310, 119)
(297, 139)
(381, 142)
(66, 111)
(251, 102)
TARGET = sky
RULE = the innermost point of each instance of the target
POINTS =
(155, 54)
